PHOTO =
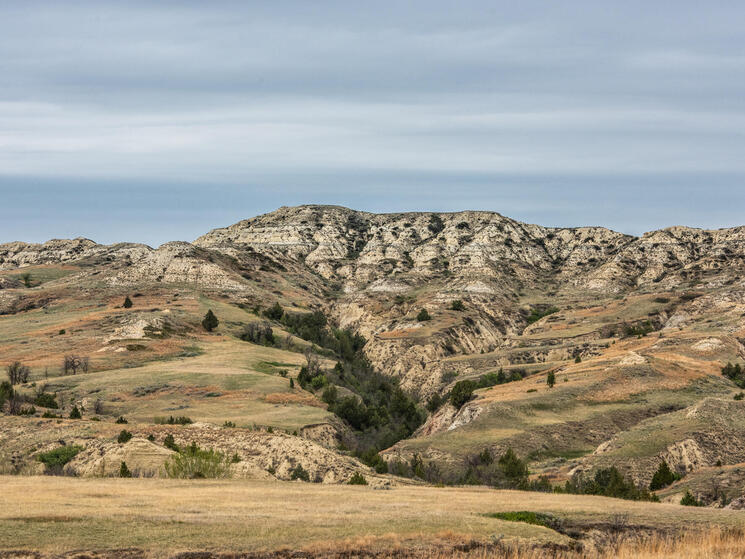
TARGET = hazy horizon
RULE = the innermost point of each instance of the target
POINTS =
(149, 122)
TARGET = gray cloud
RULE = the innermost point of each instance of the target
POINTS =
(283, 102)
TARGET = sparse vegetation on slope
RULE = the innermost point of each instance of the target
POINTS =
(193, 462)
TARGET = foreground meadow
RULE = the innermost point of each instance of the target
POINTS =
(161, 518)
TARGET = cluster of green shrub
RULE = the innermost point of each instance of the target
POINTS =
(170, 420)
(373, 459)
(314, 327)
(357, 479)
(423, 316)
(298, 472)
(463, 390)
(381, 413)
(608, 482)
(528, 517)
(639, 330)
(170, 443)
(507, 471)
(193, 462)
(46, 400)
(538, 313)
(124, 436)
(689, 500)
(435, 224)
(736, 373)
(55, 459)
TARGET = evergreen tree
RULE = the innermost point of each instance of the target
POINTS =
(434, 402)
(461, 392)
(663, 477)
(124, 437)
(512, 466)
(274, 312)
(127, 303)
(423, 315)
(551, 379)
(357, 479)
(170, 443)
(75, 413)
(501, 377)
(689, 500)
(210, 321)
(124, 471)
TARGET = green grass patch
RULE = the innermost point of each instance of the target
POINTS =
(528, 517)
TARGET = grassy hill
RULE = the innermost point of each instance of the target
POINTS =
(324, 366)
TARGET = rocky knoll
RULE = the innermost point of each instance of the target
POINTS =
(361, 249)
(63, 251)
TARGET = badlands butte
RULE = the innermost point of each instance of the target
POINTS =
(417, 352)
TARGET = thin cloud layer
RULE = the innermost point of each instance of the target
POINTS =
(565, 114)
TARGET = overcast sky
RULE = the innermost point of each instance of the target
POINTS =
(154, 121)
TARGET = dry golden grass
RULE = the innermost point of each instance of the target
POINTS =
(713, 544)
(222, 384)
(165, 516)
(293, 398)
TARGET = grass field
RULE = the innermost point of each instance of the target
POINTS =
(229, 381)
(54, 514)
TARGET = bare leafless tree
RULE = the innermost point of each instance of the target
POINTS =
(18, 373)
(311, 363)
(73, 364)
(14, 404)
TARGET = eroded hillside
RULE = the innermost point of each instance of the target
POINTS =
(635, 332)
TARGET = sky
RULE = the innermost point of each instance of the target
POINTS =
(157, 121)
